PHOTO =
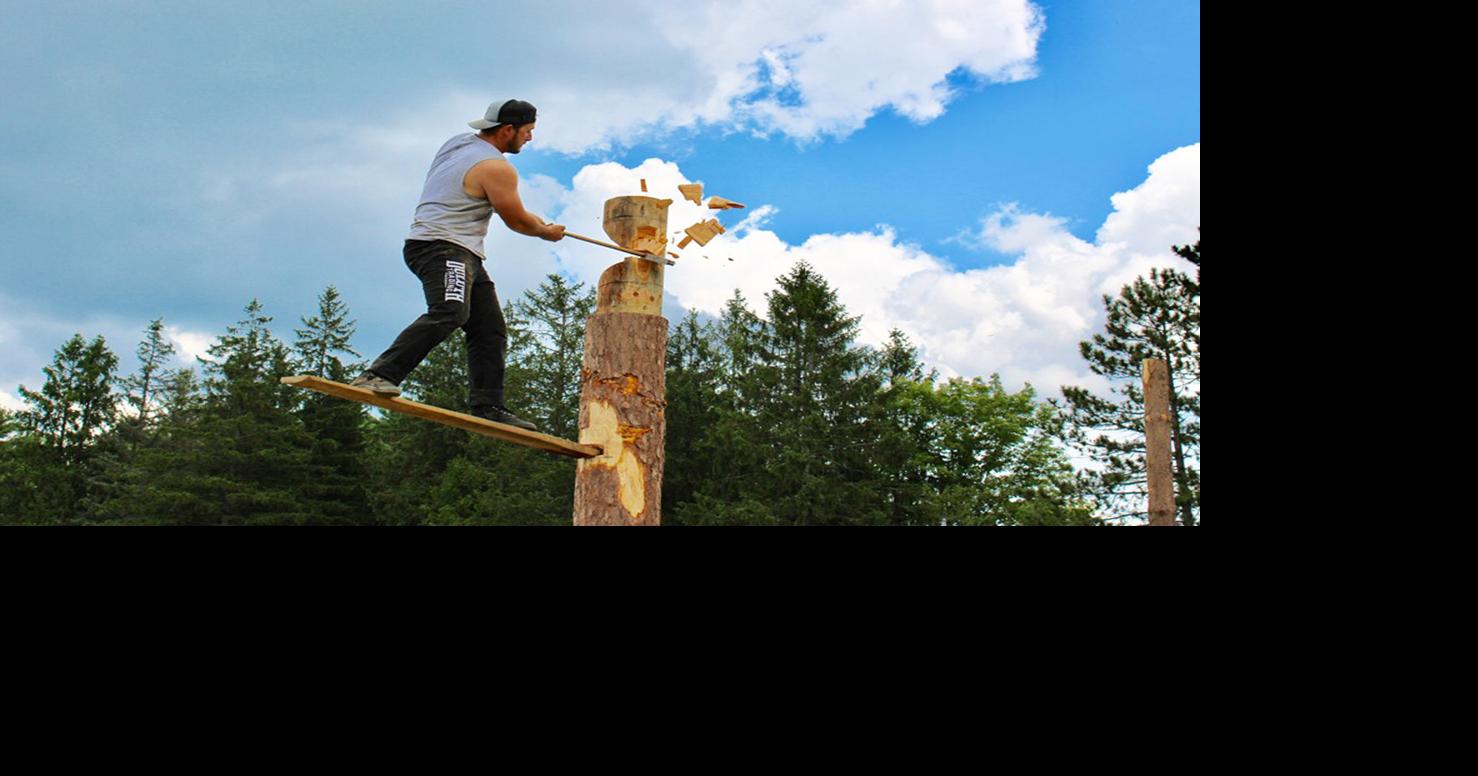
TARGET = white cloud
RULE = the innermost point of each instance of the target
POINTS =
(11, 403)
(802, 68)
(188, 345)
(1023, 320)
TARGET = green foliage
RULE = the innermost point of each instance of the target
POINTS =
(780, 420)
(546, 347)
(52, 470)
(141, 389)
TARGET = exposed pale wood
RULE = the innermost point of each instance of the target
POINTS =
(1157, 442)
(446, 417)
(719, 203)
(692, 191)
(629, 287)
(627, 218)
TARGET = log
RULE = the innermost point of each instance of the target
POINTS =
(1157, 442)
(623, 386)
(623, 381)
(476, 425)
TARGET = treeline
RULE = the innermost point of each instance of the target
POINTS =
(775, 420)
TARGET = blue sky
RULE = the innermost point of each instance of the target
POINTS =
(976, 173)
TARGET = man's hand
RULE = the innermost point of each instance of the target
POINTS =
(553, 232)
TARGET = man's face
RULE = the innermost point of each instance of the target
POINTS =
(521, 134)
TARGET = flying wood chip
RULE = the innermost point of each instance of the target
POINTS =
(719, 203)
(644, 185)
(692, 191)
(703, 231)
(685, 242)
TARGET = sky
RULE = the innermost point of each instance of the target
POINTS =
(975, 173)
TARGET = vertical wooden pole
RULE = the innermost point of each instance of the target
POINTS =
(1157, 441)
(623, 383)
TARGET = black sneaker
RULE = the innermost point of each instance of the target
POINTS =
(500, 414)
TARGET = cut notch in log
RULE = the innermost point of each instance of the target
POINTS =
(476, 425)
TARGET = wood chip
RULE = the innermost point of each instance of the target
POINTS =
(719, 203)
(692, 191)
(663, 202)
(685, 242)
(644, 185)
(703, 231)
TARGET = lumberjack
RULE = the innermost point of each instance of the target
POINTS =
(470, 179)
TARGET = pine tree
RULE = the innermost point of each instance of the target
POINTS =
(238, 454)
(1158, 317)
(903, 430)
(793, 434)
(728, 476)
(336, 489)
(59, 468)
(694, 368)
(549, 347)
(154, 487)
(141, 389)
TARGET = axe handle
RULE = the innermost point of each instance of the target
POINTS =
(649, 256)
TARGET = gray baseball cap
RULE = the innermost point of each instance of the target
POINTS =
(511, 112)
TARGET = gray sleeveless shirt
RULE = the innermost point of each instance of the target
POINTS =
(446, 212)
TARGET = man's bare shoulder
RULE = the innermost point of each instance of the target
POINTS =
(487, 174)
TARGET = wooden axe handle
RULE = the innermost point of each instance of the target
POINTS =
(613, 246)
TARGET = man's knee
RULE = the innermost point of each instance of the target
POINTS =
(448, 316)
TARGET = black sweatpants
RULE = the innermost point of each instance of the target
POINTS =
(459, 294)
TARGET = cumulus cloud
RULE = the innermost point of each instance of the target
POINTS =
(189, 345)
(11, 403)
(1023, 319)
(801, 68)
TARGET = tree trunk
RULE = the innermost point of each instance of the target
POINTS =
(1157, 462)
(623, 382)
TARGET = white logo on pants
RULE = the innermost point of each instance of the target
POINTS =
(456, 281)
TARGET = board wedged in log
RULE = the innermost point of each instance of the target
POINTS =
(476, 425)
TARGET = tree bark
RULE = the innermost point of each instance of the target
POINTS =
(1157, 460)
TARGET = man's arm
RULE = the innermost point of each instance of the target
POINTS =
(496, 180)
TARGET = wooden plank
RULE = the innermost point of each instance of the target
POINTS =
(476, 425)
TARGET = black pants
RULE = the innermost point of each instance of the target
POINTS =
(459, 294)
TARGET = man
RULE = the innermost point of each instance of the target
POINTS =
(470, 179)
